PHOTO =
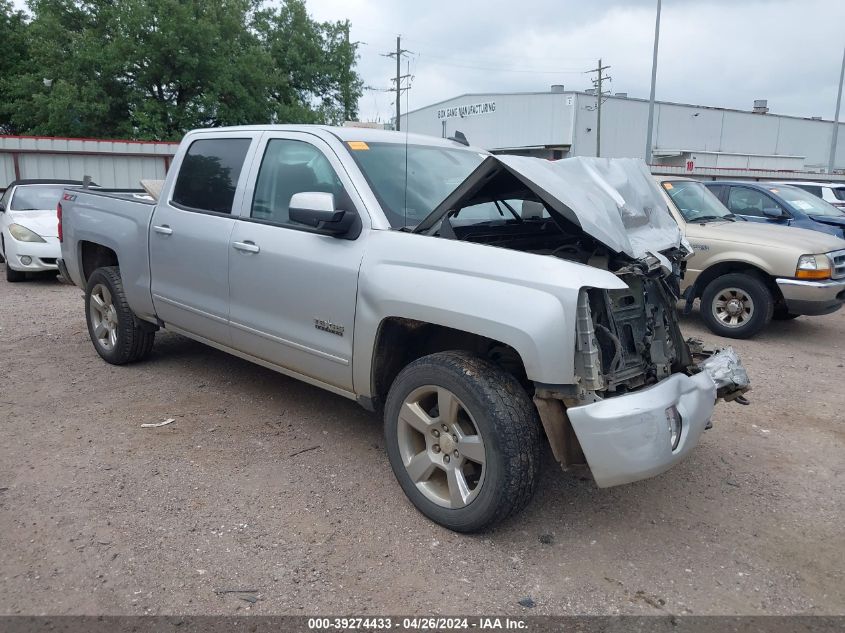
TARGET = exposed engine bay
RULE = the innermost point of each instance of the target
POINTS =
(625, 339)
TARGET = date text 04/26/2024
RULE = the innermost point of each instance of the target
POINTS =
(416, 624)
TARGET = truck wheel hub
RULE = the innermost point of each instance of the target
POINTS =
(733, 307)
(447, 443)
(448, 467)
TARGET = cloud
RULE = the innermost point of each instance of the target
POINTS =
(715, 52)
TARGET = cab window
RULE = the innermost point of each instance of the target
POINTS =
(209, 175)
(289, 167)
(745, 201)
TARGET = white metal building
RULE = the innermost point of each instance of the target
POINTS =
(701, 140)
(110, 163)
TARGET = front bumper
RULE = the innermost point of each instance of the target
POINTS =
(627, 438)
(42, 255)
(812, 297)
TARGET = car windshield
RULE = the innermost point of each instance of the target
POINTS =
(36, 197)
(432, 174)
(695, 201)
(804, 201)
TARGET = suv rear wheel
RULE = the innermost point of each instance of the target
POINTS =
(463, 440)
(736, 305)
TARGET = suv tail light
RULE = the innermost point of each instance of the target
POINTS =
(59, 217)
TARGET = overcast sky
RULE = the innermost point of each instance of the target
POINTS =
(712, 52)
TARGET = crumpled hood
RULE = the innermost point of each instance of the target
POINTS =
(43, 222)
(615, 200)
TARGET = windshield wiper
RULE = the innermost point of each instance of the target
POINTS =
(711, 218)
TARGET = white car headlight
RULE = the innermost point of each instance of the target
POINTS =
(23, 234)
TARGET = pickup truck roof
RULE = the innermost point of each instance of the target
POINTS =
(346, 134)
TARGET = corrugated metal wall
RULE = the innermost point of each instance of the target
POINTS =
(118, 164)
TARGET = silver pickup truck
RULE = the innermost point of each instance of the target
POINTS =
(482, 302)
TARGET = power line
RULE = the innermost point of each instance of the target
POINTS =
(597, 82)
(398, 54)
(501, 68)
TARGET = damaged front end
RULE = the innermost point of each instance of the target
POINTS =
(631, 338)
(642, 395)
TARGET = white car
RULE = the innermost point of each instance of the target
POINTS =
(831, 192)
(29, 239)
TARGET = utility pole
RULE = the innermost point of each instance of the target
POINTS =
(653, 84)
(599, 94)
(835, 137)
(399, 76)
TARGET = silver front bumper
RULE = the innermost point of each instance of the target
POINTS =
(812, 297)
(627, 438)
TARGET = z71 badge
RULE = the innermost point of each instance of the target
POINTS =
(329, 327)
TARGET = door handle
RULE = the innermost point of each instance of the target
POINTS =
(163, 229)
(246, 247)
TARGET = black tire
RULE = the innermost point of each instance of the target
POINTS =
(761, 301)
(505, 419)
(14, 276)
(134, 340)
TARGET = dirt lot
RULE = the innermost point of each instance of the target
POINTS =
(99, 515)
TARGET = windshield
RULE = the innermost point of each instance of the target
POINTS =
(839, 192)
(433, 173)
(36, 197)
(804, 201)
(696, 202)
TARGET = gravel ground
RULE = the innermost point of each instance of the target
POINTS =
(101, 516)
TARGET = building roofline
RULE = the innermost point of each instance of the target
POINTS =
(639, 99)
(85, 139)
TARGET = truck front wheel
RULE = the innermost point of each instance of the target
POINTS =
(116, 333)
(463, 439)
(736, 305)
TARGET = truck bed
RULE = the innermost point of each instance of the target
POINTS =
(116, 219)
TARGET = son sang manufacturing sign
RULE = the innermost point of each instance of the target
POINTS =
(474, 109)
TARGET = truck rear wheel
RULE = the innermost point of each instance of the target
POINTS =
(736, 305)
(463, 440)
(116, 333)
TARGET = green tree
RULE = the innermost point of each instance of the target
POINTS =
(153, 69)
(13, 58)
(313, 65)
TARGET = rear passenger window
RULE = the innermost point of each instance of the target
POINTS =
(290, 167)
(209, 174)
(813, 189)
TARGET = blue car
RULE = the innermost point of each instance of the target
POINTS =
(779, 204)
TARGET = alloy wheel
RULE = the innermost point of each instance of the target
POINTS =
(441, 447)
(103, 317)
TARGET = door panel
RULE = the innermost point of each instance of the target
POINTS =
(189, 236)
(279, 294)
(190, 268)
(293, 293)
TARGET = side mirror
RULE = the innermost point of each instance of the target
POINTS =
(316, 209)
(776, 213)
